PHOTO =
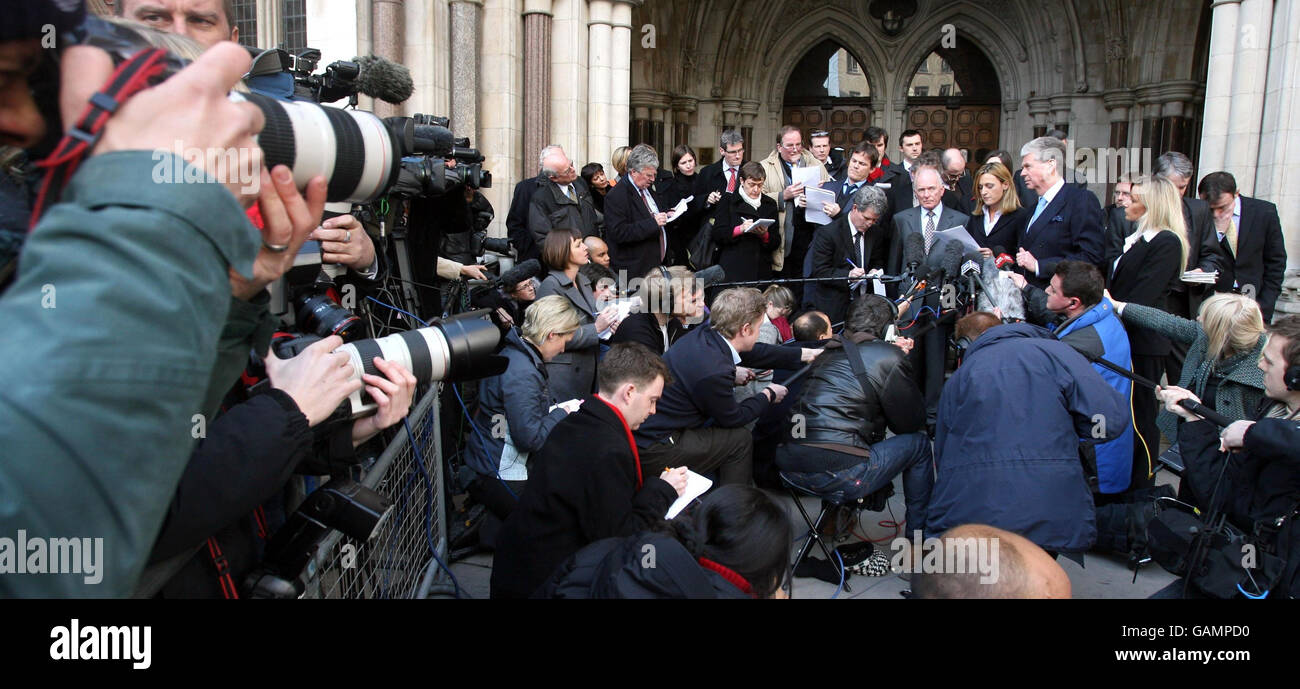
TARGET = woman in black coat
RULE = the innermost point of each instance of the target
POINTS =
(683, 228)
(742, 253)
(1145, 274)
(998, 218)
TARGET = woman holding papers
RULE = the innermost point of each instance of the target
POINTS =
(573, 372)
(745, 228)
(1145, 274)
(998, 219)
(684, 225)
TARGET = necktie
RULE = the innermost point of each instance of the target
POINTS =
(568, 191)
(929, 230)
(1231, 236)
(857, 255)
(1042, 203)
(731, 179)
(849, 191)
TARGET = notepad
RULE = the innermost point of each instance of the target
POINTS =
(696, 485)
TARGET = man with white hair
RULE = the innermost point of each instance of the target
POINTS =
(1066, 219)
(562, 199)
(634, 223)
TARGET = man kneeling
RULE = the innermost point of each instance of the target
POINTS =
(836, 444)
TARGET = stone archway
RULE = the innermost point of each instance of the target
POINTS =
(829, 90)
(954, 99)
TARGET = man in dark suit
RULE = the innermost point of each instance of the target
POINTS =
(1203, 251)
(634, 224)
(1066, 220)
(862, 162)
(1250, 233)
(1072, 176)
(847, 248)
(927, 220)
(723, 176)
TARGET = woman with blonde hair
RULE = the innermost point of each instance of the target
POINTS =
(619, 160)
(998, 218)
(1225, 342)
(1146, 273)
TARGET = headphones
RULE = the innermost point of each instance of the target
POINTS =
(668, 290)
(1292, 378)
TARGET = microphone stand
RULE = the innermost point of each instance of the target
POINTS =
(792, 281)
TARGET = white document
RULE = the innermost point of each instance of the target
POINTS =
(568, 405)
(696, 485)
(679, 208)
(816, 199)
(969, 245)
(625, 307)
(1201, 278)
(810, 176)
(761, 224)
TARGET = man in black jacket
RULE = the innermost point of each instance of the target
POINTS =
(561, 200)
(1248, 230)
(1066, 220)
(577, 497)
(634, 223)
(517, 219)
(700, 423)
(836, 445)
(847, 248)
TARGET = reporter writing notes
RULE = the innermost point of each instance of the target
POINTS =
(668, 308)
(1146, 274)
(589, 482)
(700, 424)
(745, 249)
(573, 371)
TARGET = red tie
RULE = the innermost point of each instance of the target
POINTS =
(731, 181)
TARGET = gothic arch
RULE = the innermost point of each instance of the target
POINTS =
(1004, 50)
(824, 24)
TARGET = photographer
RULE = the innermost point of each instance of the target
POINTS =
(847, 405)
(187, 246)
(1249, 473)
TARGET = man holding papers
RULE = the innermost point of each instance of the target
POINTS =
(790, 168)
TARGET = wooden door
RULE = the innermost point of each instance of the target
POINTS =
(971, 128)
(847, 124)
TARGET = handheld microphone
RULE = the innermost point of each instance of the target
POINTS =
(1002, 258)
(383, 79)
(951, 261)
(913, 251)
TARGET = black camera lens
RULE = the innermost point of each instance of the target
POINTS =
(318, 314)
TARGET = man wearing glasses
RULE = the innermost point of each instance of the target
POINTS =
(796, 233)
(722, 177)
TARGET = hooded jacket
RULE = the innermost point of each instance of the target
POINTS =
(1007, 440)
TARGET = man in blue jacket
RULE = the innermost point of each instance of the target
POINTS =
(1075, 311)
(1007, 443)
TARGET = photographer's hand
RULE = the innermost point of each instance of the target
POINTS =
(392, 393)
(344, 241)
(287, 219)
(188, 112)
(318, 379)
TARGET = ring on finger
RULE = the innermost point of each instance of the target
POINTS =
(347, 236)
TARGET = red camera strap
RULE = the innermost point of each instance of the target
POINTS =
(131, 77)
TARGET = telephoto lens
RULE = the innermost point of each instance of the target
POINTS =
(360, 154)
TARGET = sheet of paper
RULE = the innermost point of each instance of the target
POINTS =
(679, 208)
(969, 245)
(810, 176)
(625, 307)
(760, 224)
(572, 405)
(816, 199)
(696, 485)
(1201, 278)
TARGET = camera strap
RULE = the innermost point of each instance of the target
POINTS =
(131, 77)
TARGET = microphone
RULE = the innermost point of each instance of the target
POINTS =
(711, 276)
(913, 251)
(528, 269)
(1000, 292)
(951, 261)
(1002, 258)
(383, 79)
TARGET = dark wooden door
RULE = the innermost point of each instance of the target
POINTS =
(971, 128)
(846, 124)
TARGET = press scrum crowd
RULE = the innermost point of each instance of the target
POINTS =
(882, 344)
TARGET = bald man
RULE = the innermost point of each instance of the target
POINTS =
(206, 21)
(1023, 570)
(598, 250)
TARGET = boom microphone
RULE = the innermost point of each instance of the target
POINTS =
(528, 269)
(1000, 292)
(383, 79)
(913, 251)
(951, 261)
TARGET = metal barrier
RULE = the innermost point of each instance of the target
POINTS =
(396, 562)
